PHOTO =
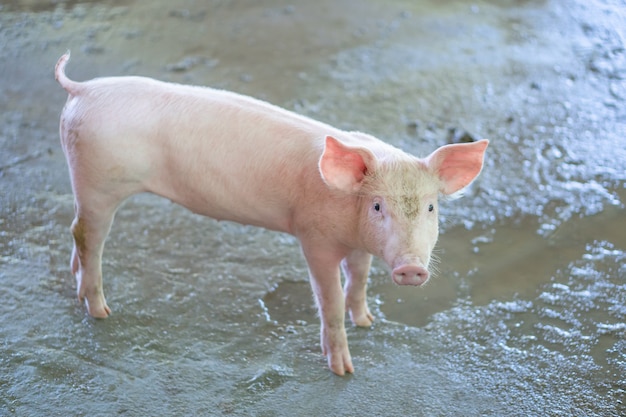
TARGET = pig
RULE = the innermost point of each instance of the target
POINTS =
(344, 195)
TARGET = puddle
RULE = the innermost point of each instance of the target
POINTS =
(573, 330)
(291, 303)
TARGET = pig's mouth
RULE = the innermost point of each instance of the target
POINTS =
(410, 274)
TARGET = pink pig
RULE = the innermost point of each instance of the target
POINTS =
(344, 195)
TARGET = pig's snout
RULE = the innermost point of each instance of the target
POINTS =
(410, 275)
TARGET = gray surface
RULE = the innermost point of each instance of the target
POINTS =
(526, 315)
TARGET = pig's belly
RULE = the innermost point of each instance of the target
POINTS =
(229, 202)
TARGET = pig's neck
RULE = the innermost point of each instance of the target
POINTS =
(329, 218)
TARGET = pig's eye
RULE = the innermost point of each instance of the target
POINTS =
(377, 206)
(431, 207)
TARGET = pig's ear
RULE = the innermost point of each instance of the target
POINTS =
(344, 168)
(457, 165)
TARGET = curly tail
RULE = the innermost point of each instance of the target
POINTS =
(59, 74)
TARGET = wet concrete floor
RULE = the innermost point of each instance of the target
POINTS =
(527, 314)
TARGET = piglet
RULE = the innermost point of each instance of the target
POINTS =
(345, 195)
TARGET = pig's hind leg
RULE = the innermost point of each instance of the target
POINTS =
(90, 229)
(356, 267)
(94, 212)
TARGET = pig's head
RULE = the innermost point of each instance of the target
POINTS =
(398, 195)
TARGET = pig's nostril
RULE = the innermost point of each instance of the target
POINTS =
(410, 275)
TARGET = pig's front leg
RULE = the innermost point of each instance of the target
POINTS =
(326, 284)
(356, 267)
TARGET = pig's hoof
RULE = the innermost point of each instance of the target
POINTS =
(340, 363)
(335, 348)
(98, 308)
(361, 317)
(363, 321)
